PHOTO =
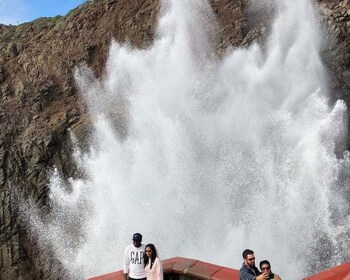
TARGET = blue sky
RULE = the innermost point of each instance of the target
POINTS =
(19, 11)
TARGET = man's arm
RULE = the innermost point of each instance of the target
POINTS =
(126, 263)
(245, 275)
(262, 276)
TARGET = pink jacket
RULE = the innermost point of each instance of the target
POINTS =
(156, 273)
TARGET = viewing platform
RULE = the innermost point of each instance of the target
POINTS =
(188, 269)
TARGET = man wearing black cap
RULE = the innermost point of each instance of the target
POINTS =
(133, 259)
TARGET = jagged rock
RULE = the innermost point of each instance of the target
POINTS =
(73, 116)
(12, 49)
(346, 78)
(2, 74)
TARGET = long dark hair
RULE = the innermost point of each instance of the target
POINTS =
(153, 255)
(265, 262)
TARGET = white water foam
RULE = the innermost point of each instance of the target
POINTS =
(205, 156)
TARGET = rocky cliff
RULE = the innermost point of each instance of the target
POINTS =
(39, 100)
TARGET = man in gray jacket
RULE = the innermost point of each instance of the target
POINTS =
(248, 270)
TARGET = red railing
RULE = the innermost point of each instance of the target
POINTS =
(190, 267)
(203, 270)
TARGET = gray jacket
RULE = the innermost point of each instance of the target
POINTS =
(247, 273)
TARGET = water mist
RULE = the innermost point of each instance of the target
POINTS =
(205, 156)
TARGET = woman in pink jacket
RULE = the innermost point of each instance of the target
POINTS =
(153, 265)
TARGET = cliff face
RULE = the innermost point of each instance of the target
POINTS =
(39, 101)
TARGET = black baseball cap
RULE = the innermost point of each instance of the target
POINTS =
(137, 237)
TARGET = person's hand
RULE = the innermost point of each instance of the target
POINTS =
(263, 276)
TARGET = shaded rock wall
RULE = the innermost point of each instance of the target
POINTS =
(39, 100)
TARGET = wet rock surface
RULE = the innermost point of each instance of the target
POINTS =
(40, 103)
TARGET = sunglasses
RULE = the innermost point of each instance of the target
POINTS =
(252, 259)
(265, 268)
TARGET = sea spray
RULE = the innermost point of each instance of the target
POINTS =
(208, 156)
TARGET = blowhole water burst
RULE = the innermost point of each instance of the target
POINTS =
(209, 156)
